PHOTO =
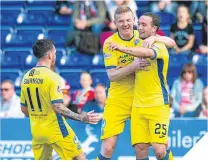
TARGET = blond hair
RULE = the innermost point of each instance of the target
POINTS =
(122, 9)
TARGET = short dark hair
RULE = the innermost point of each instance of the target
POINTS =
(155, 19)
(41, 47)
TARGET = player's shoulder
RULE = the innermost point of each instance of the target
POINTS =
(159, 45)
(111, 38)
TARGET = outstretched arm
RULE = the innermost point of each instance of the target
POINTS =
(89, 117)
(134, 51)
(169, 42)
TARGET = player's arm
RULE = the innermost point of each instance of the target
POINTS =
(25, 111)
(89, 117)
(114, 72)
(148, 42)
(134, 51)
(23, 104)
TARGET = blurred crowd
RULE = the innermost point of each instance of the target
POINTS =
(92, 23)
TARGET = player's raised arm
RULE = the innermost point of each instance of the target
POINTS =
(89, 117)
(134, 51)
(148, 42)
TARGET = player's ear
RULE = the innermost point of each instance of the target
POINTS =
(50, 56)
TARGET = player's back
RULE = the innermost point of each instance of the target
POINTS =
(151, 85)
(116, 59)
(39, 89)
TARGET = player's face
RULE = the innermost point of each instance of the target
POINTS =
(7, 91)
(100, 94)
(125, 23)
(85, 80)
(145, 27)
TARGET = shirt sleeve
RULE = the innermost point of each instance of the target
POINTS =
(22, 99)
(110, 57)
(160, 51)
(56, 94)
(190, 29)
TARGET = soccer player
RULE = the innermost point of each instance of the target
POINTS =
(42, 100)
(150, 112)
(121, 69)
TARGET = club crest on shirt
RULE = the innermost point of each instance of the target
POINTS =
(106, 55)
(136, 41)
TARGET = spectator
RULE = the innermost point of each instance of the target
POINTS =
(98, 103)
(10, 102)
(203, 48)
(182, 32)
(86, 93)
(111, 7)
(64, 7)
(187, 92)
(198, 10)
(88, 15)
(204, 105)
(164, 6)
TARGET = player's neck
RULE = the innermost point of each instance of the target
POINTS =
(127, 36)
(41, 63)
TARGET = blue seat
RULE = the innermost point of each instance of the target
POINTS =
(198, 34)
(24, 37)
(9, 17)
(98, 61)
(4, 32)
(72, 76)
(32, 19)
(29, 62)
(200, 59)
(202, 70)
(174, 71)
(39, 3)
(166, 18)
(100, 76)
(15, 57)
(10, 74)
(12, 3)
(178, 60)
(58, 35)
(166, 30)
(60, 20)
(60, 54)
(76, 60)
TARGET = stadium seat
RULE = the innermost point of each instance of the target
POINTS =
(15, 57)
(72, 76)
(9, 17)
(31, 18)
(29, 62)
(200, 59)
(76, 60)
(178, 59)
(12, 4)
(60, 54)
(98, 61)
(10, 74)
(5, 30)
(166, 18)
(58, 35)
(198, 34)
(24, 36)
(165, 29)
(204, 80)
(60, 20)
(38, 3)
(100, 76)
(202, 70)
